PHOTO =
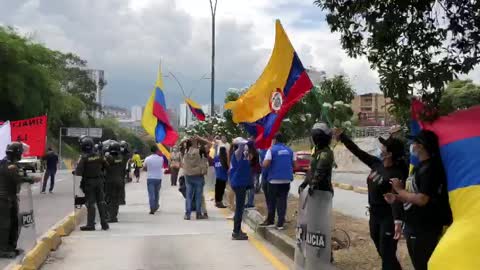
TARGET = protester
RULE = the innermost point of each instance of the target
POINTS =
(225, 143)
(195, 168)
(175, 160)
(51, 160)
(385, 220)
(153, 165)
(240, 179)
(137, 163)
(256, 169)
(280, 161)
(221, 175)
(264, 181)
(425, 198)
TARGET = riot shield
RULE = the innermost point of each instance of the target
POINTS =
(318, 238)
(301, 231)
(25, 229)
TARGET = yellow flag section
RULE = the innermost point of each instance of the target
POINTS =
(460, 246)
(149, 121)
(254, 104)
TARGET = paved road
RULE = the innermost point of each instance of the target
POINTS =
(345, 201)
(162, 242)
(354, 179)
(48, 210)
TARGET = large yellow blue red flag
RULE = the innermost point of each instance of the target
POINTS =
(195, 109)
(283, 82)
(459, 139)
(155, 118)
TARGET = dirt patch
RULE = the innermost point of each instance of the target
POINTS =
(361, 254)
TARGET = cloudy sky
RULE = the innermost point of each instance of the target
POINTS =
(127, 39)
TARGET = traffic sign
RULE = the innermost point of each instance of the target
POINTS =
(79, 132)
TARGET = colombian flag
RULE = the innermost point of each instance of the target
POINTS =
(417, 107)
(459, 138)
(155, 118)
(195, 109)
(283, 82)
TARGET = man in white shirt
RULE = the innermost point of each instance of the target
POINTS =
(153, 164)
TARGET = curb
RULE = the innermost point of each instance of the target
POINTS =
(279, 240)
(50, 241)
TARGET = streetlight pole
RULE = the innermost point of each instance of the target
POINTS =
(213, 8)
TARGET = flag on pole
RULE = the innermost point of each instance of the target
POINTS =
(195, 109)
(155, 118)
(282, 84)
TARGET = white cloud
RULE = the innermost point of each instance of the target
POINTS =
(128, 38)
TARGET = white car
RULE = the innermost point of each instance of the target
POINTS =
(33, 164)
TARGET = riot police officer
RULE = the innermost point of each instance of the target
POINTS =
(314, 226)
(10, 182)
(125, 151)
(113, 179)
(90, 167)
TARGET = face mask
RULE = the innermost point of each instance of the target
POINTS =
(413, 152)
(378, 153)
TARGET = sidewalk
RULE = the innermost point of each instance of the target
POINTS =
(160, 242)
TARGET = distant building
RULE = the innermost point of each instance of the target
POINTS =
(134, 126)
(372, 109)
(117, 112)
(173, 117)
(137, 112)
(98, 76)
(316, 76)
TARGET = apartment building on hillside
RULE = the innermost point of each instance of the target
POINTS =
(372, 109)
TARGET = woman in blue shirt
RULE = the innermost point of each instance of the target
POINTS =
(221, 173)
(240, 179)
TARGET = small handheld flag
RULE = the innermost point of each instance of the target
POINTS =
(195, 109)
(155, 118)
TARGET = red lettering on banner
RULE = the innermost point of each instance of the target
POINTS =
(33, 132)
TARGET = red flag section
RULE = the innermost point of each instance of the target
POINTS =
(33, 132)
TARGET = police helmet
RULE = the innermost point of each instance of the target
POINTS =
(113, 148)
(321, 134)
(124, 147)
(14, 151)
(86, 144)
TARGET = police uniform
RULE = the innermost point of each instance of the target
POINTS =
(113, 185)
(90, 167)
(10, 182)
(320, 175)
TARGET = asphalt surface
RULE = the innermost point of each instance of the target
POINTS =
(48, 209)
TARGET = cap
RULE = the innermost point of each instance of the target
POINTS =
(323, 127)
(239, 140)
(428, 139)
(394, 146)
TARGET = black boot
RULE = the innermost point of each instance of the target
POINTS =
(87, 228)
(105, 226)
(8, 254)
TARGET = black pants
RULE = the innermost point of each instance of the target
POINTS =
(9, 229)
(95, 196)
(278, 196)
(49, 174)
(122, 192)
(220, 186)
(174, 175)
(382, 231)
(240, 194)
(265, 186)
(113, 192)
(421, 246)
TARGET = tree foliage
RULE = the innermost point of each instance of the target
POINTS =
(414, 45)
(460, 94)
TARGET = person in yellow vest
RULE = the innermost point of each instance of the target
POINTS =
(138, 164)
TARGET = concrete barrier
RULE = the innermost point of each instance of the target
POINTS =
(35, 257)
(362, 190)
(345, 186)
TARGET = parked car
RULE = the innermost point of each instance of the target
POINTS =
(302, 163)
(33, 164)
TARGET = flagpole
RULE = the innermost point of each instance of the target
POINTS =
(213, 8)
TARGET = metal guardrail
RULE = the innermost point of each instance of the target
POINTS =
(357, 132)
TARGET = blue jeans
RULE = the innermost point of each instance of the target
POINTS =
(194, 191)
(49, 173)
(240, 194)
(153, 186)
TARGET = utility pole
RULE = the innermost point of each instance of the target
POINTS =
(213, 8)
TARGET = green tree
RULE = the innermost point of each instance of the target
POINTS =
(416, 46)
(460, 94)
